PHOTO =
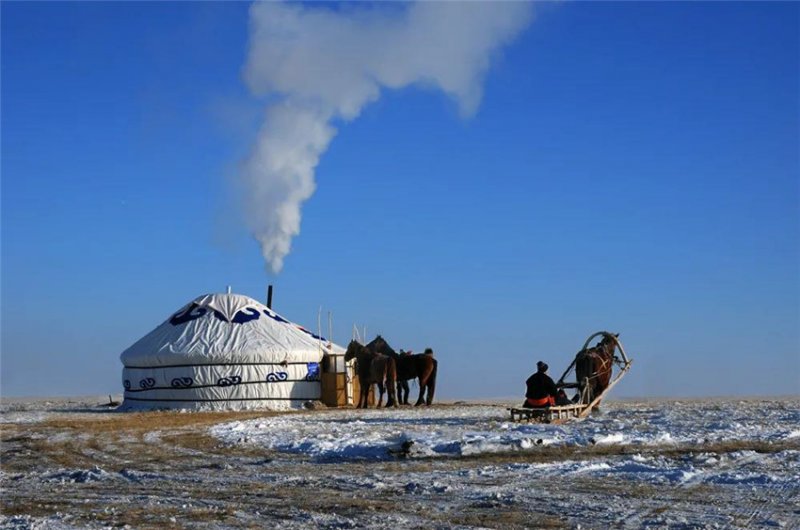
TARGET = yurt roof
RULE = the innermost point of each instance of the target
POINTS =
(226, 328)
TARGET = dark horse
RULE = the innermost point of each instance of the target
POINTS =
(373, 368)
(421, 366)
(593, 367)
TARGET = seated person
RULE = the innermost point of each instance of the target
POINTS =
(542, 390)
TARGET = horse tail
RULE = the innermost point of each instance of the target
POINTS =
(432, 381)
(391, 371)
(391, 381)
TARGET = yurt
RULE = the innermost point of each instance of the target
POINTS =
(226, 352)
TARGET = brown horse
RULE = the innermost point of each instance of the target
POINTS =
(593, 367)
(422, 367)
(373, 368)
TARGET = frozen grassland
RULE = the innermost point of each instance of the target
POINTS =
(649, 464)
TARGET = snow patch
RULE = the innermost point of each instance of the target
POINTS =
(79, 475)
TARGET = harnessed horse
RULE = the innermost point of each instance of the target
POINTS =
(373, 368)
(593, 368)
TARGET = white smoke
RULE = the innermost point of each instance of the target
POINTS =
(324, 63)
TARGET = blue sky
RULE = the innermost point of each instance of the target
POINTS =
(631, 167)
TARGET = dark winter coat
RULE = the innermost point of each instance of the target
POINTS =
(539, 386)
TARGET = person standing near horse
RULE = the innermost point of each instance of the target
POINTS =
(542, 390)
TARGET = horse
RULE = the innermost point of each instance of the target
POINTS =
(373, 368)
(421, 366)
(593, 367)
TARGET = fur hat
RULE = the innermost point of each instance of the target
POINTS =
(541, 366)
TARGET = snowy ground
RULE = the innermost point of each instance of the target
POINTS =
(666, 464)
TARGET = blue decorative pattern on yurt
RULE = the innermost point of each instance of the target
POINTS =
(245, 315)
(313, 372)
(194, 312)
(229, 381)
(191, 313)
(274, 377)
(182, 382)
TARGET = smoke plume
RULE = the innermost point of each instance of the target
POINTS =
(320, 65)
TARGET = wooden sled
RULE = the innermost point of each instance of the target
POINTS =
(583, 407)
(557, 414)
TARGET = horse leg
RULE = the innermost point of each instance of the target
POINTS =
(391, 396)
(368, 388)
(431, 389)
(432, 382)
(423, 384)
(381, 389)
(390, 378)
(420, 399)
(402, 392)
(597, 392)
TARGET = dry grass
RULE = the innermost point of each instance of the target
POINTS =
(138, 516)
(85, 441)
(137, 422)
(500, 518)
(550, 454)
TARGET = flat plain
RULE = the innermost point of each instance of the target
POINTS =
(638, 464)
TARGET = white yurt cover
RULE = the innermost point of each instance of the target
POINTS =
(224, 351)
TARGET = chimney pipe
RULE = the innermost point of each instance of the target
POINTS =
(269, 296)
